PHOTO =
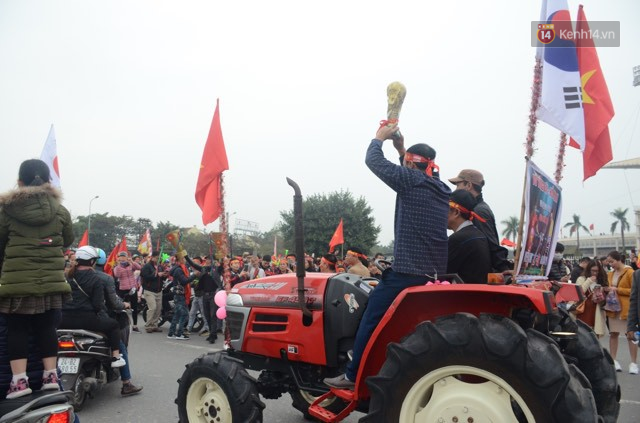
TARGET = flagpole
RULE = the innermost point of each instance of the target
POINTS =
(226, 273)
(560, 160)
(536, 90)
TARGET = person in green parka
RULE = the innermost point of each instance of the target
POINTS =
(34, 229)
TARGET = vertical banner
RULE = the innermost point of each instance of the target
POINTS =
(543, 207)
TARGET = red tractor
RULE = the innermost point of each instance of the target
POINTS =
(442, 353)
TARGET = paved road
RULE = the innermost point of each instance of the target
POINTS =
(158, 362)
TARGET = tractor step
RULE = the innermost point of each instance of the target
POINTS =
(327, 416)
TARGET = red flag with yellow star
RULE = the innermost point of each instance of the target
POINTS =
(214, 162)
(596, 103)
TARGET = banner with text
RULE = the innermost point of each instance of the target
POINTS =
(543, 207)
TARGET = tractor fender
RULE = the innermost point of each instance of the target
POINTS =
(423, 303)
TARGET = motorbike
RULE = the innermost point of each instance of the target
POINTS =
(39, 407)
(84, 359)
(167, 309)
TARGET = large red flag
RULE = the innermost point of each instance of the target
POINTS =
(111, 260)
(214, 162)
(123, 244)
(337, 238)
(84, 240)
(596, 102)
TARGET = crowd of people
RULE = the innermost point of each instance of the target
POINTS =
(33, 223)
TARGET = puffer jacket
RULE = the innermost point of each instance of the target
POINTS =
(34, 229)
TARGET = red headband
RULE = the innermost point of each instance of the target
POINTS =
(472, 215)
(357, 254)
(327, 262)
(431, 166)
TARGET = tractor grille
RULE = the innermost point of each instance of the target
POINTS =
(270, 323)
(234, 323)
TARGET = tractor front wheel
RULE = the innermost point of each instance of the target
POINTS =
(464, 368)
(217, 388)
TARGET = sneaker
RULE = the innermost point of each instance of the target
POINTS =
(171, 336)
(50, 382)
(135, 329)
(212, 338)
(633, 369)
(18, 389)
(617, 366)
(183, 337)
(204, 333)
(130, 389)
(186, 332)
(118, 362)
(157, 330)
(149, 330)
(339, 382)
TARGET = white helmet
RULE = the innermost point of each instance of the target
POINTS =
(87, 253)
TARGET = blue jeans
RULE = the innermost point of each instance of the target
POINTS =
(180, 315)
(125, 372)
(390, 286)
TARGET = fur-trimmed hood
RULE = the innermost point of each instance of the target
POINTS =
(31, 205)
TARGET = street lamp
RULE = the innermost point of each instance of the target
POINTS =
(89, 220)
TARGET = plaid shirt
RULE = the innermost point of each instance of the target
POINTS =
(422, 207)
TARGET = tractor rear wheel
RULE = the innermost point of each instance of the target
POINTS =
(465, 368)
(217, 388)
(596, 364)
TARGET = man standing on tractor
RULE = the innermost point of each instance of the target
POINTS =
(420, 250)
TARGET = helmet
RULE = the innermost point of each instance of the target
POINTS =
(102, 258)
(87, 253)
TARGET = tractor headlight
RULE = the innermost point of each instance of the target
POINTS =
(234, 300)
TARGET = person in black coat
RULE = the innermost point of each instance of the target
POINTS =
(469, 254)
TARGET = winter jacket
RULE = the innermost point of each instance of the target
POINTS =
(87, 294)
(112, 301)
(34, 228)
(624, 291)
(125, 275)
(149, 276)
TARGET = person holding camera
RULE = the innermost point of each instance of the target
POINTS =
(128, 285)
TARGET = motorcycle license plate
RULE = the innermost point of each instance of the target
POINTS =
(69, 364)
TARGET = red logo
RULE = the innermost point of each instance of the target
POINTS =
(546, 33)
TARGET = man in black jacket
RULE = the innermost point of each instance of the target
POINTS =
(471, 180)
(152, 277)
(468, 247)
(210, 282)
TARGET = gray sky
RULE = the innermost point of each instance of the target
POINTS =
(131, 88)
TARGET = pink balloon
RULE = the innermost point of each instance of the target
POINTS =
(220, 298)
(221, 313)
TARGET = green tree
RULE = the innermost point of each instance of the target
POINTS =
(575, 226)
(322, 213)
(621, 216)
(107, 231)
(511, 227)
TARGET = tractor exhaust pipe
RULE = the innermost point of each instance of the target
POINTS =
(299, 247)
